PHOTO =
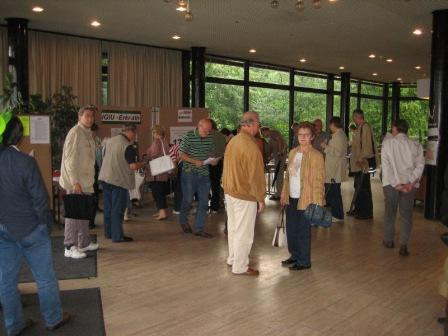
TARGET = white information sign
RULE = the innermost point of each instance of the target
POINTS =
(39, 129)
(120, 117)
(176, 132)
(184, 115)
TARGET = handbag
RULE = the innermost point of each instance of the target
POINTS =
(318, 215)
(280, 232)
(79, 206)
(161, 164)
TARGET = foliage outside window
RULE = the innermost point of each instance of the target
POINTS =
(225, 103)
(354, 86)
(415, 112)
(310, 106)
(336, 105)
(337, 85)
(371, 89)
(373, 111)
(273, 107)
(408, 91)
(263, 75)
(224, 71)
(310, 82)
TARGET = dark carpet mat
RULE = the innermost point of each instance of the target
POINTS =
(83, 304)
(65, 268)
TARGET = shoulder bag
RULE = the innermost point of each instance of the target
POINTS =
(161, 164)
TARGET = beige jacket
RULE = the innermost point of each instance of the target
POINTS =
(362, 148)
(78, 159)
(243, 174)
(312, 175)
(335, 157)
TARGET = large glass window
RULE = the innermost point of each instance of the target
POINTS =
(224, 71)
(408, 91)
(415, 112)
(371, 89)
(310, 106)
(225, 103)
(336, 105)
(354, 86)
(373, 111)
(310, 82)
(273, 107)
(263, 75)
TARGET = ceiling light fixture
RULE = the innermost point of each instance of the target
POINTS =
(300, 5)
(302, 60)
(389, 60)
(181, 6)
(253, 51)
(95, 23)
(175, 37)
(399, 79)
(275, 4)
(418, 67)
(375, 74)
(417, 31)
(341, 67)
(372, 56)
(38, 9)
(316, 4)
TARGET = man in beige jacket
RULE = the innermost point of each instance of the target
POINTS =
(244, 187)
(78, 176)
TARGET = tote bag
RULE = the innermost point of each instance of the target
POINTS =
(161, 164)
(279, 239)
(79, 206)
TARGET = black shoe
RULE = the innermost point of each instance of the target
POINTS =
(403, 251)
(186, 228)
(388, 244)
(274, 198)
(363, 217)
(66, 317)
(442, 320)
(350, 213)
(203, 234)
(288, 261)
(298, 267)
(123, 240)
(28, 324)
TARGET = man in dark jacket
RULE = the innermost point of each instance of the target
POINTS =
(25, 221)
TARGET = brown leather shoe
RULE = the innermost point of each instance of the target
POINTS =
(251, 272)
(66, 317)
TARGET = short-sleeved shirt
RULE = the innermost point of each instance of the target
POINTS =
(197, 148)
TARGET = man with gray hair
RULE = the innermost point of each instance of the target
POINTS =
(402, 167)
(117, 176)
(78, 176)
(244, 187)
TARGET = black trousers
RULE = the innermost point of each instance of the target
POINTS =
(215, 185)
(159, 189)
(334, 199)
(363, 203)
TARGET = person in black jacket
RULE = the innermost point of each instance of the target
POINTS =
(25, 223)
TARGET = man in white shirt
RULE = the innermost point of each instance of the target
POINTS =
(402, 167)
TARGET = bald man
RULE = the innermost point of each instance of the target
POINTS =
(196, 146)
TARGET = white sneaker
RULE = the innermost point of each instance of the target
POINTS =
(176, 212)
(90, 247)
(74, 253)
(127, 215)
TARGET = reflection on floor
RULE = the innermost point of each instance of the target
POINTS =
(168, 283)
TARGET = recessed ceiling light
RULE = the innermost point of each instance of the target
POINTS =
(341, 68)
(253, 51)
(417, 31)
(302, 60)
(38, 9)
(372, 56)
(175, 37)
(374, 74)
(389, 60)
(418, 67)
(399, 79)
(95, 23)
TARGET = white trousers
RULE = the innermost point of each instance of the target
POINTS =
(241, 217)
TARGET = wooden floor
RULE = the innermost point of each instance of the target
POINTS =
(167, 283)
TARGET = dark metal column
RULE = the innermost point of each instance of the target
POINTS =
(330, 101)
(186, 58)
(18, 54)
(438, 108)
(395, 101)
(345, 100)
(384, 125)
(198, 82)
(246, 87)
(291, 105)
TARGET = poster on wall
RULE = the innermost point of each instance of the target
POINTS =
(176, 132)
(120, 117)
(39, 129)
(432, 146)
(185, 116)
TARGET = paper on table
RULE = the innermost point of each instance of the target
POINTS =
(211, 161)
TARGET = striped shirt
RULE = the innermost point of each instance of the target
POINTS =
(197, 148)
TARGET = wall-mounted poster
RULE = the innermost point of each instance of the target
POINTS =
(120, 117)
(185, 116)
(39, 129)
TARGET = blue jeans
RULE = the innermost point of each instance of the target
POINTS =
(298, 233)
(115, 199)
(36, 248)
(194, 183)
